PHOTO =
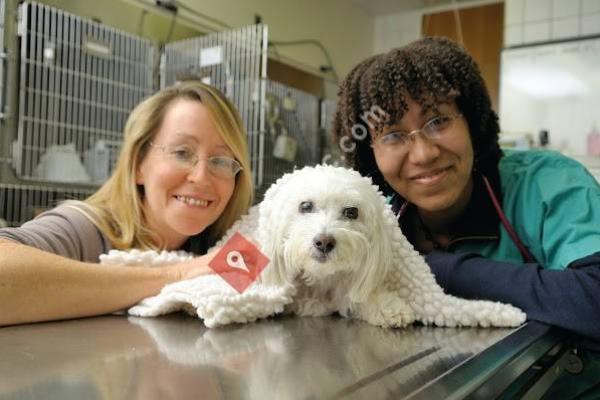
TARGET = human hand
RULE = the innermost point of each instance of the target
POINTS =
(195, 267)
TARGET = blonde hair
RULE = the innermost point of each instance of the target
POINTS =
(117, 207)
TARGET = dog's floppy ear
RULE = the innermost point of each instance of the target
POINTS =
(270, 230)
(379, 259)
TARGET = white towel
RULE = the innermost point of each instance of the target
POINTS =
(209, 296)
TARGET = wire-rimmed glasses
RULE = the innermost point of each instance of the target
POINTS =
(186, 158)
(432, 129)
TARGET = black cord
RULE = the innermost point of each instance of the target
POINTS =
(313, 42)
(156, 76)
(171, 29)
(203, 16)
(276, 53)
(198, 26)
(140, 29)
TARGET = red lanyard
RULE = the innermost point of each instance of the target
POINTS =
(527, 256)
(525, 253)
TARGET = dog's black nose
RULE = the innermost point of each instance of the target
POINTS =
(324, 243)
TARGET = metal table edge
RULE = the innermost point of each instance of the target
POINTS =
(481, 372)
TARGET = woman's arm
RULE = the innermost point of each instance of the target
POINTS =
(567, 298)
(40, 286)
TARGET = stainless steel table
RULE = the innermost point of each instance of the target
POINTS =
(176, 357)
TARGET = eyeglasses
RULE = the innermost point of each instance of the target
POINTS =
(185, 157)
(432, 129)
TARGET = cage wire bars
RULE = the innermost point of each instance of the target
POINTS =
(235, 62)
(2, 58)
(78, 82)
(79, 79)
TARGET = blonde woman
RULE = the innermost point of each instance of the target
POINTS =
(182, 179)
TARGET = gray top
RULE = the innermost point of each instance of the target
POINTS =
(63, 230)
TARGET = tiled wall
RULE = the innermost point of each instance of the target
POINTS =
(396, 30)
(530, 21)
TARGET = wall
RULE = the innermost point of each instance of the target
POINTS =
(568, 121)
(396, 30)
(543, 20)
(570, 114)
(552, 87)
(344, 29)
(480, 30)
(129, 16)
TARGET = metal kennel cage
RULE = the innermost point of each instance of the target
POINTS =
(293, 136)
(332, 152)
(233, 61)
(20, 203)
(2, 58)
(78, 82)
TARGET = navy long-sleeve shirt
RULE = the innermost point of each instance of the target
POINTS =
(567, 298)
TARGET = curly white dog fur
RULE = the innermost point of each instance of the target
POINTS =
(331, 236)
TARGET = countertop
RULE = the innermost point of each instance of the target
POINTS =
(177, 357)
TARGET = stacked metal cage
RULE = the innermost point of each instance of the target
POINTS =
(234, 62)
(282, 122)
(2, 58)
(293, 136)
(331, 150)
(20, 203)
(78, 82)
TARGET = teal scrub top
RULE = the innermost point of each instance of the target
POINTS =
(553, 204)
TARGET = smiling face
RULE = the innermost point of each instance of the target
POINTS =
(326, 232)
(324, 224)
(180, 202)
(433, 174)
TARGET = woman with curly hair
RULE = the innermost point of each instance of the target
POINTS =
(516, 227)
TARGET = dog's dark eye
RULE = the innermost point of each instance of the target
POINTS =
(350, 212)
(306, 207)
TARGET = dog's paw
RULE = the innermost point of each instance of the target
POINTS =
(490, 314)
(307, 307)
(450, 311)
(506, 315)
(387, 310)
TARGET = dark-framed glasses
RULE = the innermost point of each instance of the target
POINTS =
(185, 157)
(432, 129)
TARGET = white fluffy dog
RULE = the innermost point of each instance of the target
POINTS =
(334, 246)
(330, 234)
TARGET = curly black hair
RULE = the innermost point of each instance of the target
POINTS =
(431, 71)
